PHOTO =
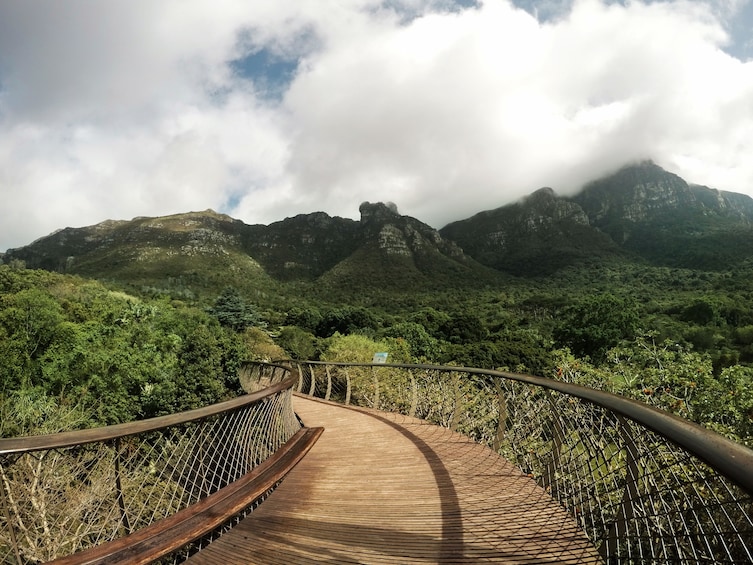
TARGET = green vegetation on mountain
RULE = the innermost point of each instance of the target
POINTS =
(641, 284)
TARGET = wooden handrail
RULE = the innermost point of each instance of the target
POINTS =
(731, 459)
(107, 433)
(170, 534)
(639, 481)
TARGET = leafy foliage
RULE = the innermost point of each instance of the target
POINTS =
(139, 353)
(119, 356)
(232, 311)
(596, 323)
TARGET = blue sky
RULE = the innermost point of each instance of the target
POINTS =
(267, 109)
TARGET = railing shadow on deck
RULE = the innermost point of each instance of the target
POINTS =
(78, 490)
(644, 485)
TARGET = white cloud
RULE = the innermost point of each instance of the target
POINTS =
(455, 113)
(120, 109)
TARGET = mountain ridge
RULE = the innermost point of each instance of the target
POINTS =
(639, 213)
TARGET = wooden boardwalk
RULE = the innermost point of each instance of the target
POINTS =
(384, 488)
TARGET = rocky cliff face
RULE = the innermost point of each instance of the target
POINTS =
(623, 203)
(304, 246)
(639, 210)
(635, 194)
(307, 246)
(537, 235)
(402, 235)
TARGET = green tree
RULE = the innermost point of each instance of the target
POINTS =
(434, 321)
(200, 377)
(232, 311)
(464, 327)
(701, 311)
(31, 320)
(259, 346)
(668, 376)
(347, 320)
(423, 347)
(735, 404)
(305, 318)
(595, 324)
(298, 343)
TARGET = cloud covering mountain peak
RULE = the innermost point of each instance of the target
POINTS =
(135, 108)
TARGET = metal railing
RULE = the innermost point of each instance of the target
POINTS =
(644, 485)
(66, 492)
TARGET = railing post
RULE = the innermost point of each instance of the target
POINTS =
(347, 386)
(558, 435)
(329, 383)
(299, 388)
(625, 512)
(275, 371)
(119, 489)
(458, 402)
(11, 528)
(502, 422)
(312, 388)
(376, 388)
(414, 395)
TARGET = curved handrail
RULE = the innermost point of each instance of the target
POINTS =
(192, 523)
(733, 460)
(64, 493)
(106, 433)
(643, 484)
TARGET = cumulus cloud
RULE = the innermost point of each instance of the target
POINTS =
(118, 109)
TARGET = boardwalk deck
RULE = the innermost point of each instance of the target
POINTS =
(384, 488)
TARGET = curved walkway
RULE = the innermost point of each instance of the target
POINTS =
(383, 488)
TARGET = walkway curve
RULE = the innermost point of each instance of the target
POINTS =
(384, 488)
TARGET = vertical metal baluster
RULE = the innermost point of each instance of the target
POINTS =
(329, 384)
(502, 421)
(376, 388)
(300, 378)
(414, 397)
(558, 436)
(458, 402)
(119, 488)
(347, 387)
(312, 389)
(625, 513)
(9, 521)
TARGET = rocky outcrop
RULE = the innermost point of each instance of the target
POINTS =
(303, 246)
(640, 210)
(540, 234)
(403, 235)
(637, 195)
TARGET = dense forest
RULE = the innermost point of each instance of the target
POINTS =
(78, 352)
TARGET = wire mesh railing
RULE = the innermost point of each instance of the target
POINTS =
(644, 485)
(67, 492)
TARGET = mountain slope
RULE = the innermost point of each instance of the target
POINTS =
(208, 251)
(302, 247)
(641, 212)
(402, 252)
(173, 253)
(660, 217)
(536, 236)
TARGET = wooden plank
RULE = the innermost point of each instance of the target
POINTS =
(189, 524)
(384, 488)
